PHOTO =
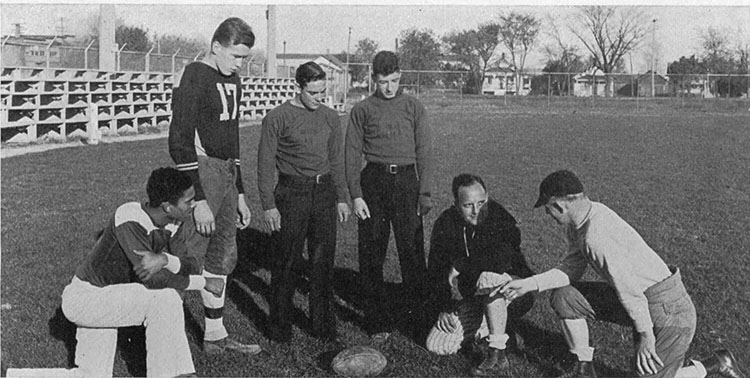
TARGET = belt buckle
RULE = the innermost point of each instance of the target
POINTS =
(392, 169)
(318, 179)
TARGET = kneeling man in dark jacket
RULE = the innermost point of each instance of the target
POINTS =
(475, 249)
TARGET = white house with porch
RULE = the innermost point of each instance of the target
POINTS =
(502, 81)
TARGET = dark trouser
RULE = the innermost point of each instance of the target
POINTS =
(671, 309)
(392, 200)
(308, 212)
(217, 253)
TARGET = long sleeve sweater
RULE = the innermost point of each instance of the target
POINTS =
(618, 254)
(299, 142)
(131, 229)
(388, 131)
(205, 121)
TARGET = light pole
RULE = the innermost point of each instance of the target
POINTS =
(653, 58)
(346, 70)
(286, 69)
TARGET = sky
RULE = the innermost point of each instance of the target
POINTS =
(324, 26)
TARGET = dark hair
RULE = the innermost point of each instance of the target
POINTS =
(463, 180)
(166, 185)
(309, 72)
(234, 31)
(385, 63)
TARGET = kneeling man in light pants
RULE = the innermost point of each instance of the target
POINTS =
(640, 291)
(132, 277)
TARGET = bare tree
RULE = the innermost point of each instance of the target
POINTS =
(562, 58)
(610, 33)
(518, 33)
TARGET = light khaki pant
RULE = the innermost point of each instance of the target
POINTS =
(99, 311)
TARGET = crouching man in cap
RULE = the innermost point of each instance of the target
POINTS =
(640, 289)
(475, 249)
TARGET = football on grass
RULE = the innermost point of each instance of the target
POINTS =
(359, 361)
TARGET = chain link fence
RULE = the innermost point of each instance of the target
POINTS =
(555, 85)
(585, 89)
(43, 56)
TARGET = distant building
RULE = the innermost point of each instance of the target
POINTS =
(590, 83)
(660, 83)
(32, 50)
(502, 81)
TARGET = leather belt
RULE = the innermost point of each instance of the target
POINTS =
(392, 168)
(303, 181)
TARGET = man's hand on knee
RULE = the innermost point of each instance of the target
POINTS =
(491, 282)
(447, 322)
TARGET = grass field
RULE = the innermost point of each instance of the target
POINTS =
(678, 174)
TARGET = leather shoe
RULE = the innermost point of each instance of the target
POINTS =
(723, 363)
(228, 344)
(585, 369)
(495, 363)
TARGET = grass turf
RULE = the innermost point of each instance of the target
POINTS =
(677, 173)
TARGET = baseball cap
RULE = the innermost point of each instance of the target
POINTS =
(558, 184)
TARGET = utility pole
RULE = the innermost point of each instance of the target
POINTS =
(60, 29)
(271, 43)
(653, 58)
(347, 81)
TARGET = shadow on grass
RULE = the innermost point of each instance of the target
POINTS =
(548, 351)
(256, 251)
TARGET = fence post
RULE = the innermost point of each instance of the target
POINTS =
(46, 51)
(148, 59)
(173, 60)
(729, 91)
(549, 88)
(119, 54)
(86, 55)
(417, 84)
(461, 86)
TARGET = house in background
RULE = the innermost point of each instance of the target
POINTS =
(661, 85)
(335, 71)
(590, 83)
(502, 81)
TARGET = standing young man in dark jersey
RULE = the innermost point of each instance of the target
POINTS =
(303, 140)
(390, 129)
(204, 143)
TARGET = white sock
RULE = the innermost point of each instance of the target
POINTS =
(576, 334)
(215, 329)
(498, 341)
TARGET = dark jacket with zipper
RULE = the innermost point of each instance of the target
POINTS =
(494, 245)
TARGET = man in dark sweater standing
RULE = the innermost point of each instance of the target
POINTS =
(302, 139)
(475, 249)
(391, 130)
